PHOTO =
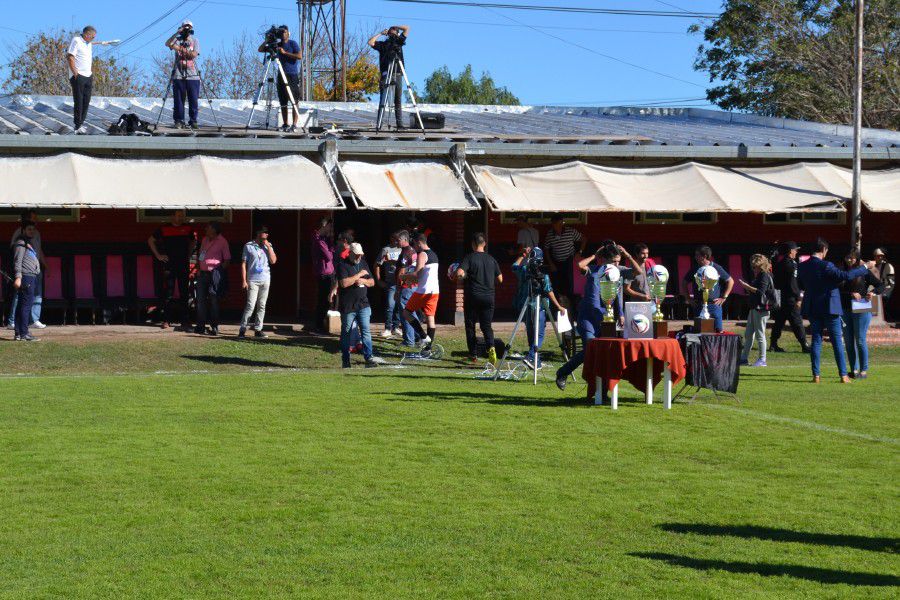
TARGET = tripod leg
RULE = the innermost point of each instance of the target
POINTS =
(512, 337)
(165, 97)
(258, 94)
(536, 338)
(386, 87)
(412, 97)
(559, 339)
(205, 91)
(287, 87)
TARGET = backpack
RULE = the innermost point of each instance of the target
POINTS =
(772, 299)
(130, 124)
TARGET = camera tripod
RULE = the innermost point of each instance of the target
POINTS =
(171, 85)
(534, 300)
(384, 104)
(269, 84)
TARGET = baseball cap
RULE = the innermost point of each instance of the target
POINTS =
(879, 252)
(356, 248)
(791, 245)
(187, 22)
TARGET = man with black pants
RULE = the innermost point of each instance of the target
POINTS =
(289, 56)
(80, 56)
(559, 250)
(172, 245)
(481, 273)
(784, 273)
(186, 81)
(389, 49)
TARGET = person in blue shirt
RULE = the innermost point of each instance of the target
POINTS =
(820, 280)
(718, 295)
(522, 297)
(289, 56)
(592, 309)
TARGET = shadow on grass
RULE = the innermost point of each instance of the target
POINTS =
(237, 361)
(483, 398)
(826, 576)
(860, 542)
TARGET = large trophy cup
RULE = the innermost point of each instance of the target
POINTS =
(706, 279)
(610, 281)
(659, 279)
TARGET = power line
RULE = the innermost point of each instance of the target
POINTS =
(598, 53)
(156, 21)
(159, 35)
(563, 9)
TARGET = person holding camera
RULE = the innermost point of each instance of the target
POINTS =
(480, 272)
(256, 259)
(389, 50)
(524, 294)
(185, 77)
(289, 55)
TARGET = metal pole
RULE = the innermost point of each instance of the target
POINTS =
(344, 50)
(856, 222)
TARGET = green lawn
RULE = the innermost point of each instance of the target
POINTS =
(190, 467)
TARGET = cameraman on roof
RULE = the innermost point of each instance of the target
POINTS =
(389, 49)
(289, 55)
(185, 76)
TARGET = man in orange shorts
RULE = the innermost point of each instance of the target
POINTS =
(425, 296)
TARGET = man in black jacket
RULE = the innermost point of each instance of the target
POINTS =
(785, 275)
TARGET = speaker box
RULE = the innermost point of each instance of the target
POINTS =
(429, 120)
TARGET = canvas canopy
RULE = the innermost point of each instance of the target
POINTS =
(408, 185)
(73, 180)
(691, 187)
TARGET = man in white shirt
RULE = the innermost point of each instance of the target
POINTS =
(80, 57)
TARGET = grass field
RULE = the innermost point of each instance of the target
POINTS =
(189, 467)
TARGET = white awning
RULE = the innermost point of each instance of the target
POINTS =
(408, 185)
(691, 187)
(73, 180)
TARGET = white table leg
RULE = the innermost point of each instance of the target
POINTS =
(667, 382)
(648, 393)
(615, 397)
(598, 392)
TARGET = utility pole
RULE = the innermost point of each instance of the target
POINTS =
(323, 30)
(856, 222)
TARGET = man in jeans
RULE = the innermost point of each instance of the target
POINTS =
(257, 257)
(481, 274)
(386, 276)
(703, 256)
(27, 269)
(35, 316)
(212, 264)
(186, 80)
(406, 264)
(353, 283)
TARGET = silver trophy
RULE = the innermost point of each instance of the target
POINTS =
(706, 279)
(609, 291)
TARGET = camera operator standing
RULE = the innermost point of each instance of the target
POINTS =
(185, 76)
(389, 50)
(289, 56)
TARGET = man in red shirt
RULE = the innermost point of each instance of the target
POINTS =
(172, 245)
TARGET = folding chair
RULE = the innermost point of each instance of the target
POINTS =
(145, 284)
(54, 295)
(114, 297)
(83, 277)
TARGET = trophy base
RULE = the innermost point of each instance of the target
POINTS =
(608, 330)
(704, 326)
(660, 329)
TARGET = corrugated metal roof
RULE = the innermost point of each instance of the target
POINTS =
(51, 115)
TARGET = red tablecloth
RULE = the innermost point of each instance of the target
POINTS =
(615, 359)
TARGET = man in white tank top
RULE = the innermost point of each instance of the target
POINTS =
(425, 298)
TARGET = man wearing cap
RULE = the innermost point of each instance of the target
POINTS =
(784, 273)
(354, 278)
(888, 277)
(186, 77)
(256, 259)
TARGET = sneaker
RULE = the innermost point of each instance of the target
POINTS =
(374, 361)
(179, 124)
(862, 376)
(213, 331)
(38, 325)
(283, 129)
(29, 338)
(530, 363)
(424, 342)
(193, 126)
(805, 350)
(492, 356)
(81, 130)
(743, 362)
(15, 338)
(199, 330)
(292, 129)
(242, 332)
(397, 331)
(760, 363)
(260, 334)
(774, 348)
(164, 325)
(561, 382)
(386, 333)
(11, 325)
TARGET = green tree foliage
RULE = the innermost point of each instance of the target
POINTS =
(39, 67)
(443, 88)
(794, 58)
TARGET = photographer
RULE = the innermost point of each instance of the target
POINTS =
(530, 272)
(480, 272)
(186, 77)
(390, 49)
(288, 54)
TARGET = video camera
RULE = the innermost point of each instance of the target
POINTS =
(184, 32)
(535, 269)
(274, 38)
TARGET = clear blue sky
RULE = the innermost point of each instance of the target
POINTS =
(539, 68)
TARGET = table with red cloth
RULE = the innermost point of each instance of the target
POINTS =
(641, 362)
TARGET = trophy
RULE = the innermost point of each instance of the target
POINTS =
(706, 279)
(610, 281)
(659, 279)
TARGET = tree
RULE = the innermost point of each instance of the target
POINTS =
(442, 88)
(795, 59)
(40, 67)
